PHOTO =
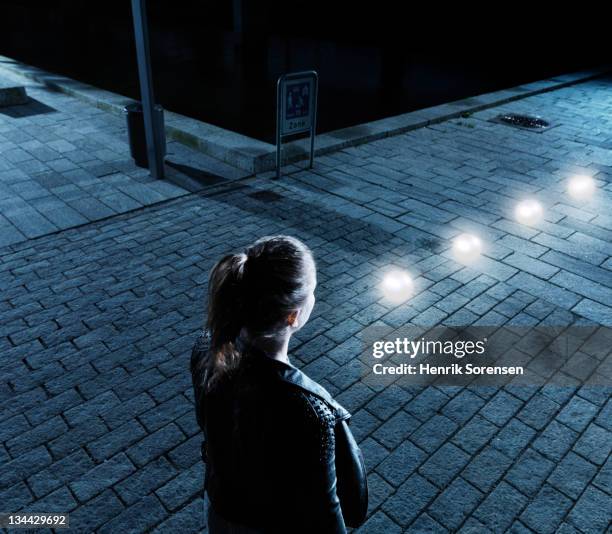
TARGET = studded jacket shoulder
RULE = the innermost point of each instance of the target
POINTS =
(321, 421)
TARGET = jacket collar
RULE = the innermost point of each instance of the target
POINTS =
(290, 374)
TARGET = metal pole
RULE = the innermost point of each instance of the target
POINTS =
(153, 135)
(278, 126)
(313, 131)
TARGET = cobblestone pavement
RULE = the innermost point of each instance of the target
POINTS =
(97, 324)
(64, 163)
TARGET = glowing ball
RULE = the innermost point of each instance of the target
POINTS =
(467, 248)
(397, 286)
(529, 212)
(581, 187)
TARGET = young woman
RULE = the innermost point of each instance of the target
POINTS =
(279, 456)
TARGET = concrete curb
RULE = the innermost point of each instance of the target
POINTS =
(257, 156)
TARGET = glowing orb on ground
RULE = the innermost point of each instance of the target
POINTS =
(467, 248)
(397, 286)
(529, 212)
(581, 187)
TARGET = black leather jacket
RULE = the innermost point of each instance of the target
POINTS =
(270, 447)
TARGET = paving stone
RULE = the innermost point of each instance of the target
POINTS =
(123, 412)
(183, 487)
(572, 475)
(475, 434)
(500, 507)
(425, 523)
(116, 440)
(604, 418)
(444, 464)
(473, 526)
(538, 412)
(523, 246)
(13, 426)
(137, 518)
(65, 217)
(59, 473)
(145, 480)
(501, 408)
(555, 440)
(187, 453)
(594, 311)
(583, 286)
(169, 387)
(60, 501)
(593, 511)
(363, 423)
(31, 223)
(595, 444)
(567, 247)
(388, 401)
(486, 468)
(15, 498)
(99, 510)
(355, 396)
(462, 407)
(38, 435)
(373, 453)
(70, 379)
(142, 194)
(532, 266)
(378, 492)
(416, 491)
(433, 433)
(189, 519)
(577, 414)
(9, 234)
(546, 511)
(165, 412)
(101, 477)
(155, 444)
(120, 202)
(529, 472)
(566, 528)
(379, 522)
(581, 268)
(142, 382)
(99, 385)
(513, 438)
(544, 290)
(426, 403)
(396, 429)
(455, 503)
(401, 463)
(88, 409)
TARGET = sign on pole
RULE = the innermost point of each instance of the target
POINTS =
(296, 109)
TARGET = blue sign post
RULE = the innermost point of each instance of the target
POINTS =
(296, 109)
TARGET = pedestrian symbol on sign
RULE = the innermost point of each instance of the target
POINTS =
(297, 100)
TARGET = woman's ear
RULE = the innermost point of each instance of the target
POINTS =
(292, 318)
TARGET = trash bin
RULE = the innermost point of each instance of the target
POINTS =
(136, 132)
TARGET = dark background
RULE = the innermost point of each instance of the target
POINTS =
(218, 61)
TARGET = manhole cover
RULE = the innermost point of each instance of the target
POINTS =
(265, 196)
(525, 122)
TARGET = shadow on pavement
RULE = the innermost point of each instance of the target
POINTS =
(33, 107)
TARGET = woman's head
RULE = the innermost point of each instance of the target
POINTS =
(267, 290)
